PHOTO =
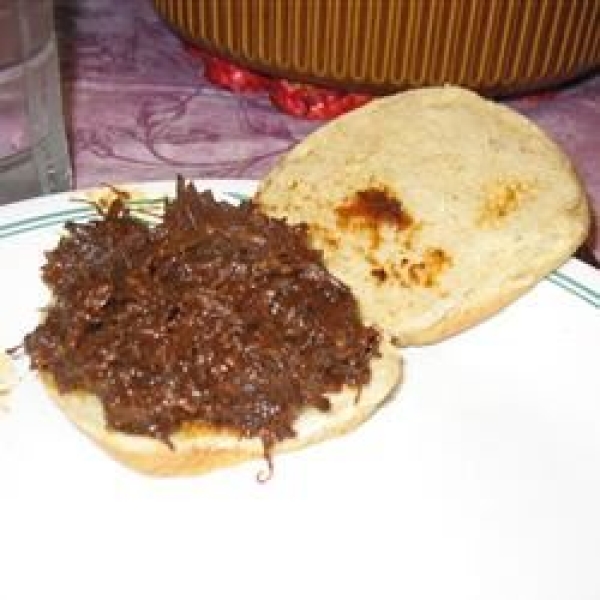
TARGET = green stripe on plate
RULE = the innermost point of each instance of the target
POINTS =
(40, 221)
(575, 287)
(41, 224)
(50, 219)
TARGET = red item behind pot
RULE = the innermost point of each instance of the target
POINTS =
(297, 99)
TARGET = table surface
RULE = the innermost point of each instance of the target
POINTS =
(139, 109)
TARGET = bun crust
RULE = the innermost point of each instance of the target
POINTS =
(200, 449)
(485, 206)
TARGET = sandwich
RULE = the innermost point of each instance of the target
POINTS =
(226, 333)
(213, 336)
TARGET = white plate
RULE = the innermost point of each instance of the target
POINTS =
(480, 480)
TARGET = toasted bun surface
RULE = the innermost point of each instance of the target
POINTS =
(489, 205)
(200, 449)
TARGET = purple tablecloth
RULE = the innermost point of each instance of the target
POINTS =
(138, 108)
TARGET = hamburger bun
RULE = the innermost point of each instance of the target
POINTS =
(435, 206)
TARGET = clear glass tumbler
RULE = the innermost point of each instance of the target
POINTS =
(34, 157)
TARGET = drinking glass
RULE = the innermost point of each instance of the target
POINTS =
(34, 157)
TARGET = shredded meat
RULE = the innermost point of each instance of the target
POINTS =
(216, 315)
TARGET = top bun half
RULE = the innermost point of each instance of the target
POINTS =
(435, 206)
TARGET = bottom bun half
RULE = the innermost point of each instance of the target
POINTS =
(201, 448)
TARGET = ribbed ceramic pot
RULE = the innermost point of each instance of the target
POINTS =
(495, 46)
